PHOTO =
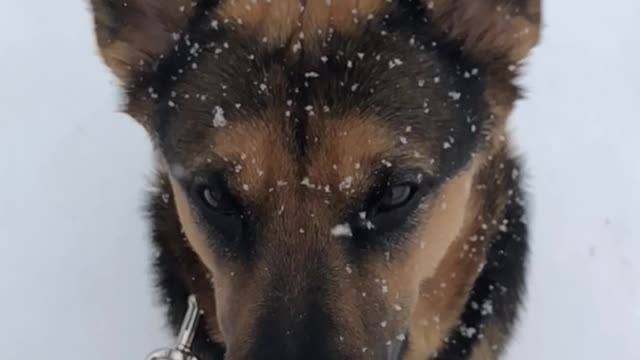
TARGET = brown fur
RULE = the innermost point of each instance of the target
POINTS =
(443, 268)
(255, 147)
(491, 28)
(300, 23)
(442, 294)
(132, 42)
(298, 167)
(273, 21)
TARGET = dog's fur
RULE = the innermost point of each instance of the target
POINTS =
(300, 115)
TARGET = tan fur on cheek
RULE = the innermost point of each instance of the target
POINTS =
(405, 271)
(196, 238)
(198, 242)
(233, 315)
(443, 223)
(444, 295)
(435, 242)
(446, 219)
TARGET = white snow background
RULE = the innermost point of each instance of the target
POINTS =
(74, 255)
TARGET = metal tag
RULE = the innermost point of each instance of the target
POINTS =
(182, 350)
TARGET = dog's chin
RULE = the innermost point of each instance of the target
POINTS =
(393, 349)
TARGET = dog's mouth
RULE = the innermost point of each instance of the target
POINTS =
(182, 348)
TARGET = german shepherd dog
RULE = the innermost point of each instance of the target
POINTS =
(335, 179)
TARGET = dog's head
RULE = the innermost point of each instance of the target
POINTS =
(321, 153)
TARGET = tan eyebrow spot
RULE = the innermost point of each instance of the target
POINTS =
(258, 153)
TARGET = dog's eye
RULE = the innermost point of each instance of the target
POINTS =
(218, 211)
(216, 200)
(396, 196)
(211, 198)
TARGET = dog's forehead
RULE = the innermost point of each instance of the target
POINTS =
(277, 22)
(373, 97)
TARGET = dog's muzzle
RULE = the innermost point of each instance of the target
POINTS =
(182, 349)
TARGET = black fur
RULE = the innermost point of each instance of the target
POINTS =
(356, 75)
(495, 297)
(458, 116)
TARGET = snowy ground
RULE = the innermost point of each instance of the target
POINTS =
(74, 280)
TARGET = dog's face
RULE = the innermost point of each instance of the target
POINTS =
(321, 158)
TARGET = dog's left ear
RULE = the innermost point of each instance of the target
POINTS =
(490, 29)
(132, 34)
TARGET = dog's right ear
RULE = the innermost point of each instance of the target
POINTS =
(133, 34)
(490, 29)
